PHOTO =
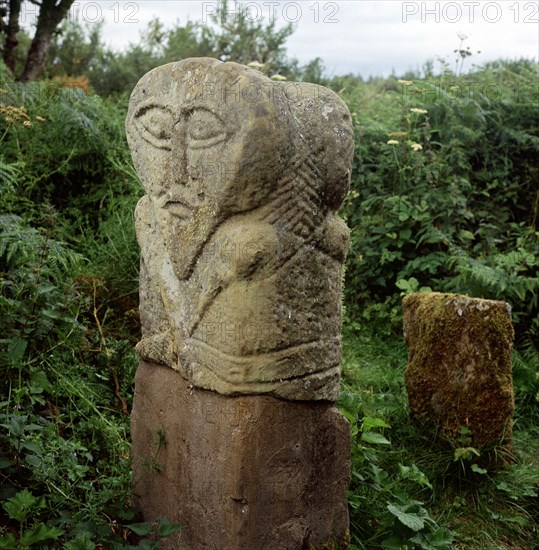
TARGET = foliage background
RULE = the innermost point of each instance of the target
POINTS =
(444, 196)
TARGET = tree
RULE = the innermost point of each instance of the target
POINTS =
(314, 72)
(115, 73)
(237, 37)
(51, 14)
(12, 9)
(230, 36)
(191, 40)
(76, 49)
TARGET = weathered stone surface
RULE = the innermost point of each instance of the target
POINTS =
(241, 247)
(243, 473)
(459, 366)
(241, 263)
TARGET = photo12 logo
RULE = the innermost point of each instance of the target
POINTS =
(88, 12)
(470, 12)
(289, 12)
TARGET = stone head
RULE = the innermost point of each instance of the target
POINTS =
(208, 140)
(212, 139)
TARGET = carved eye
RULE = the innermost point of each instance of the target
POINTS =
(154, 124)
(205, 129)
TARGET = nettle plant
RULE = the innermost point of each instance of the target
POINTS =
(400, 217)
(39, 304)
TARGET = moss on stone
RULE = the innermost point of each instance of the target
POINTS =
(459, 366)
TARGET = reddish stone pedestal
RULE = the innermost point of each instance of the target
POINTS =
(242, 473)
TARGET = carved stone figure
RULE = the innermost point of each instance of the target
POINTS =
(240, 293)
(241, 247)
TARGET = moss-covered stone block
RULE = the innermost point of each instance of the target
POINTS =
(459, 366)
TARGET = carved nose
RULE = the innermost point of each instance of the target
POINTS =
(180, 165)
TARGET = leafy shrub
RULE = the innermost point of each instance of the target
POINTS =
(444, 192)
(66, 355)
(67, 146)
(57, 440)
(39, 304)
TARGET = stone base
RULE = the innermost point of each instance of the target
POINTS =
(459, 367)
(242, 473)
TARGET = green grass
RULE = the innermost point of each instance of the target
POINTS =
(494, 510)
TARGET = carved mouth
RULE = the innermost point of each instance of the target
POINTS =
(179, 209)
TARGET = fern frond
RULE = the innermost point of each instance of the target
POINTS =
(22, 246)
(9, 173)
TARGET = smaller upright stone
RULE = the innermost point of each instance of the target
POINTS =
(459, 366)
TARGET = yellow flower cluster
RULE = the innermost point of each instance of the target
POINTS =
(17, 115)
(13, 114)
(418, 111)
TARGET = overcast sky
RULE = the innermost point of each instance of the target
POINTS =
(366, 37)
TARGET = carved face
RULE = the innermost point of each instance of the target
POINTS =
(195, 129)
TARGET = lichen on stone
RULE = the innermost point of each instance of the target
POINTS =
(459, 366)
